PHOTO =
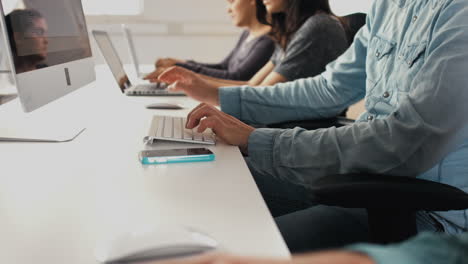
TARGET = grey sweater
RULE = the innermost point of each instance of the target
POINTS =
(319, 41)
(246, 59)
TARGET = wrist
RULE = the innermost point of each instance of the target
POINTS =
(336, 257)
(359, 258)
(215, 96)
(244, 147)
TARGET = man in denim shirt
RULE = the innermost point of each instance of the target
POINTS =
(410, 63)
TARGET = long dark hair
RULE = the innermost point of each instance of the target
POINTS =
(285, 24)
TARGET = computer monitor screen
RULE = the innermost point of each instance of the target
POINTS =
(42, 36)
(49, 49)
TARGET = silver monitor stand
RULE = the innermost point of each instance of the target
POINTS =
(13, 131)
(5, 98)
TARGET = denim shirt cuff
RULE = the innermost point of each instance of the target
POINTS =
(383, 255)
(229, 100)
(261, 145)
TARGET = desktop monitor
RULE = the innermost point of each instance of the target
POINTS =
(48, 48)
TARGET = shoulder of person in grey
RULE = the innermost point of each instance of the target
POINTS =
(316, 26)
(253, 42)
(320, 27)
(320, 40)
(244, 35)
(320, 19)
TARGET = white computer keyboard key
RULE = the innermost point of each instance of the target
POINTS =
(168, 127)
(178, 128)
(208, 137)
(197, 136)
(208, 131)
(160, 126)
(153, 127)
(188, 134)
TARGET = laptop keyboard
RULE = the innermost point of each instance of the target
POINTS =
(152, 89)
(173, 129)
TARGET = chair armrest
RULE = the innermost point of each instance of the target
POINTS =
(338, 121)
(388, 192)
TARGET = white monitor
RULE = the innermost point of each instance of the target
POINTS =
(49, 50)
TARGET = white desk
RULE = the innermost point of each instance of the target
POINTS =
(58, 200)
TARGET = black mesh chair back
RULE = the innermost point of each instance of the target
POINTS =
(354, 22)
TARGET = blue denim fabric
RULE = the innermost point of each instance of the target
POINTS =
(425, 249)
(410, 63)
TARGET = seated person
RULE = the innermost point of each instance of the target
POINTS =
(308, 36)
(409, 62)
(425, 249)
(252, 51)
(28, 39)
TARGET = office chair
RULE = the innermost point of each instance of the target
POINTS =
(354, 23)
(391, 201)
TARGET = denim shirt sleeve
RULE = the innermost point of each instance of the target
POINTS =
(428, 124)
(326, 95)
(424, 249)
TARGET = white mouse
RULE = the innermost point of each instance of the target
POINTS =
(167, 106)
(156, 244)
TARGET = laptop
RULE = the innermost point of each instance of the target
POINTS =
(115, 64)
(132, 51)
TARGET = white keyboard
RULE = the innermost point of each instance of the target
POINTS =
(173, 129)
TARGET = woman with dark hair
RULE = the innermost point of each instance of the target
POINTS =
(252, 51)
(308, 37)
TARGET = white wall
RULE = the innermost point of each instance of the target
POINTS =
(198, 29)
(344, 7)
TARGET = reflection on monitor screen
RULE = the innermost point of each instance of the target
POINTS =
(49, 49)
(47, 33)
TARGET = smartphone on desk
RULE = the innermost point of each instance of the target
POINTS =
(165, 156)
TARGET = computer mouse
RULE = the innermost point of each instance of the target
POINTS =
(164, 106)
(167, 242)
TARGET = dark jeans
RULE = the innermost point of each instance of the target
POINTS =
(308, 226)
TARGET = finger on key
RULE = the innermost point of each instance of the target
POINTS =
(193, 110)
(175, 87)
(171, 75)
(152, 76)
(197, 115)
(210, 122)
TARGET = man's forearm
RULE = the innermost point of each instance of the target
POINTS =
(220, 82)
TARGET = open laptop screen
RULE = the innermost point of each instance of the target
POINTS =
(112, 59)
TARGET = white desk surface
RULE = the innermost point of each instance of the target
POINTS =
(58, 200)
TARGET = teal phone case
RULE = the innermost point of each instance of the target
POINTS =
(177, 159)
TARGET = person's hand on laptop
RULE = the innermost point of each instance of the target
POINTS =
(183, 80)
(153, 77)
(226, 127)
(161, 65)
(331, 257)
(167, 62)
